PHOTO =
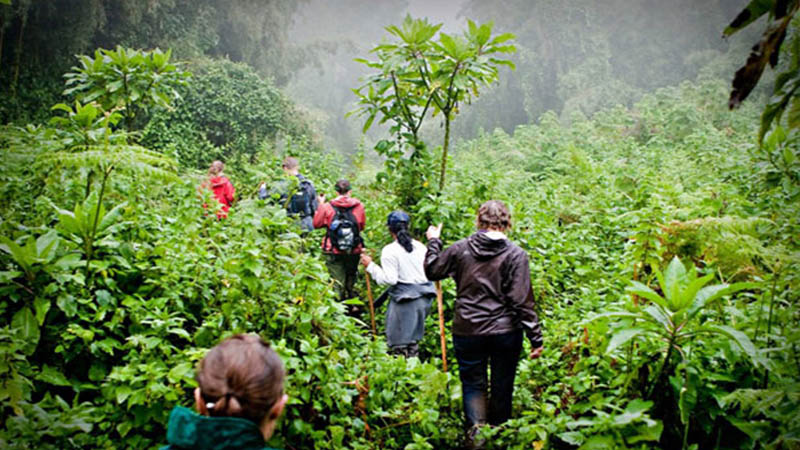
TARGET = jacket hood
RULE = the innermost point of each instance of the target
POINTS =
(191, 431)
(218, 181)
(483, 247)
(344, 202)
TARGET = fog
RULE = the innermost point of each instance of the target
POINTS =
(573, 57)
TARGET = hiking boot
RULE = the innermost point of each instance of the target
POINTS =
(472, 439)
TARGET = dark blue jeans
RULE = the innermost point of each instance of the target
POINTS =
(501, 354)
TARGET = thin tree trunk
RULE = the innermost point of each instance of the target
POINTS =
(444, 150)
(2, 35)
(18, 56)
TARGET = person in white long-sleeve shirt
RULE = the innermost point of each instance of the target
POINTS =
(410, 294)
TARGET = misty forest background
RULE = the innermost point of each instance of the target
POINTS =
(661, 225)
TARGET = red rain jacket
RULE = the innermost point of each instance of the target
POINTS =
(223, 191)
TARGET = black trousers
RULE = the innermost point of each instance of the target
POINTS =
(487, 401)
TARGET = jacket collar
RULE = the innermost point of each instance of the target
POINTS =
(191, 431)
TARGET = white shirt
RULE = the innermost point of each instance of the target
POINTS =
(397, 265)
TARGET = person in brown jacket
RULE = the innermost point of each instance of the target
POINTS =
(494, 307)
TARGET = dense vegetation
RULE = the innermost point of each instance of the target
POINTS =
(663, 239)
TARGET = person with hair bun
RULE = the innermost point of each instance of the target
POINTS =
(239, 398)
(494, 307)
(410, 294)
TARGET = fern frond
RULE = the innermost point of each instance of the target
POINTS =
(125, 158)
(755, 402)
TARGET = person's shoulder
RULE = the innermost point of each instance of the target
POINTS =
(515, 250)
(390, 249)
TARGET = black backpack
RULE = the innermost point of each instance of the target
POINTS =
(343, 230)
(302, 200)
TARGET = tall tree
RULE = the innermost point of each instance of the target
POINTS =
(418, 74)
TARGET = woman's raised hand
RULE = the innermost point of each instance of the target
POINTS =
(434, 232)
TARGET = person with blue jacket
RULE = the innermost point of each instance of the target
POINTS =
(238, 399)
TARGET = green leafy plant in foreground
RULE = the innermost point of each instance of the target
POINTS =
(670, 323)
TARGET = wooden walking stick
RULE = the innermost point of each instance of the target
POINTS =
(441, 324)
(371, 304)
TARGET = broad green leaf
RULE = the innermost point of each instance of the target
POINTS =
(711, 293)
(17, 252)
(69, 261)
(599, 442)
(688, 294)
(611, 314)
(502, 38)
(111, 217)
(621, 336)
(122, 393)
(179, 372)
(52, 376)
(660, 316)
(643, 291)
(740, 339)
(751, 13)
(46, 245)
(687, 400)
(7, 276)
(572, 437)
(67, 304)
(42, 307)
(28, 330)
(675, 278)
(647, 433)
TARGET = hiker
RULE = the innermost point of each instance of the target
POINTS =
(221, 186)
(238, 399)
(494, 306)
(344, 219)
(410, 294)
(303, 202)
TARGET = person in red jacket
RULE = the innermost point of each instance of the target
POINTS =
(221, 186)
(344, 219)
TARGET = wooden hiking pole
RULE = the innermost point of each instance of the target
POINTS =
(441, 323)
(371, 304)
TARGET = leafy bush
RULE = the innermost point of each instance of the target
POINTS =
(226, 112)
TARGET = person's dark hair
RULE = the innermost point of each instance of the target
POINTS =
(342, 186)
(241, 377)
(494, 214)
(398, 224)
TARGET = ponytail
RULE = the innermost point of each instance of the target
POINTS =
(241, 377)
(226, 405)
(403, 237)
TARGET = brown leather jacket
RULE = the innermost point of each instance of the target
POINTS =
(493, 282)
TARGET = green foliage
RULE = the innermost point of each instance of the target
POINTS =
(125, 79)
(416, 74)
(782, 148)
(113, 287)
(226, 112)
